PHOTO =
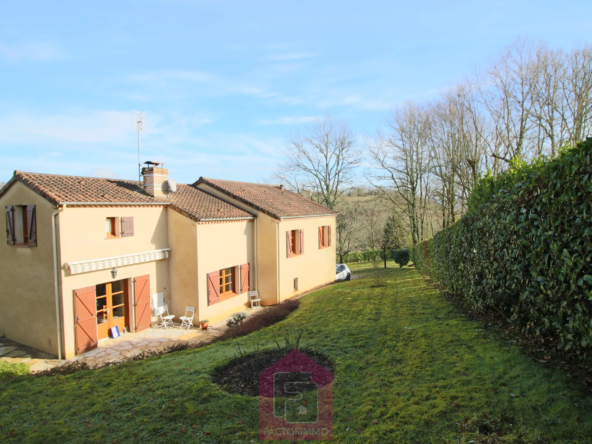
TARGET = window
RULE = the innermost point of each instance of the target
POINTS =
(325, 236)
(227, 281)
(294, 242)
(111, 227)
(295, 284)
(21, 225)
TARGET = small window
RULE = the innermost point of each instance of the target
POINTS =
(227, 280)
(111, 227)
(21, 225)
(295, 284)
(294, 242)
(325, 236)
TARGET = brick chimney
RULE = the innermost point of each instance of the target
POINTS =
(155, 179)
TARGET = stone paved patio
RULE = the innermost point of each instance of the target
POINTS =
(114, 350)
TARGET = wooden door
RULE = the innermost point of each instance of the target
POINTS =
(111, 307)
(85, 319)
(142, 302)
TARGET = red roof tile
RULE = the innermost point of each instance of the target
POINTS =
(269, 199)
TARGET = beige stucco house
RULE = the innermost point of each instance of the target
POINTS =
(83, 255)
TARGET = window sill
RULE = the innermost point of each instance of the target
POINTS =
(22, 245)
(112, 237)
(226, 296)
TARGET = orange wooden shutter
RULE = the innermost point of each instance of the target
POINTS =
(244, 278)
(329, 235)
(289, 243)
(213, 287)
(301, 241)
(10, 236)
(32, 220)
(320, 237)
(127, 226)
(85, 319)
(142, 302)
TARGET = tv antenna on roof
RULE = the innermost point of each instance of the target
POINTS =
(139, 124)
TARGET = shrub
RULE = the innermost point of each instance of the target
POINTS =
(236, 321)
(9, 370)
(402, 257)
(526, 250)
(264, 318)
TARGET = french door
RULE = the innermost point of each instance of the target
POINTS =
(112, 310)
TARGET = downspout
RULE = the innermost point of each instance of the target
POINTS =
(256, 244)
(279, 273)
(56, 276)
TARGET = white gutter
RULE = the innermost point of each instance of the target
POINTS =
(256, 244)
(312, 215)
(111, 204)
(226, 218)
(56, 276)
(279, 273)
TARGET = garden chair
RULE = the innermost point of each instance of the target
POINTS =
(255, 299)
(166, 319)
(187, 320)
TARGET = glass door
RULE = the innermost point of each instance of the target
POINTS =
(111, 307)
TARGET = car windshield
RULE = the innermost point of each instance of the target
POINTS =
(340, 268)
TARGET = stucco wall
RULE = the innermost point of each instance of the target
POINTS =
(83, 237)
(182, 263)
(222, 245)
(316, 266)
(27, 298)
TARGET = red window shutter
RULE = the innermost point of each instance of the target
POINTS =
(301, 241)
(213, 287)
(127, 226)
(142, 302)
(32, 222)
(320, 237)
(10, 234)
(85, 317)
(244, 278)
(289, 243)
(329, 236)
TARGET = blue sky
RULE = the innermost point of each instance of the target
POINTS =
(224, 82)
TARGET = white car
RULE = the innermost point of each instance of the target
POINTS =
(343, 273)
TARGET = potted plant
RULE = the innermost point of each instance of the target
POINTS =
(204, 324)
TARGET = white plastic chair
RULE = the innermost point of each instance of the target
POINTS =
(187, 320)
(255, 299)
(165, 319)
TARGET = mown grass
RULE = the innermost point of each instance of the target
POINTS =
(409, 368)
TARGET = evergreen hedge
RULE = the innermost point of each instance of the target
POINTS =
(526, 251)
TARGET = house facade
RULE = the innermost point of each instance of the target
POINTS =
(83, 255)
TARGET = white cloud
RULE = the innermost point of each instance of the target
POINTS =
(291, 56)
(41, 51)
(294, 120)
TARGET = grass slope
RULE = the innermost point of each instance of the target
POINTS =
(409, 369)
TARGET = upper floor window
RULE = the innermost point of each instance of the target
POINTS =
(119, 227)
(21, 225)
(294, 242)
(325, 236)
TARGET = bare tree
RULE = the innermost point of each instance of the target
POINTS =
(401, 164)
(347, 227)
(320, 162)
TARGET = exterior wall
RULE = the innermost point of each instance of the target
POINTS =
(313, 268)
(266, 249)
(223, 245)
(83, 237)
(27, 296)
(182, 264)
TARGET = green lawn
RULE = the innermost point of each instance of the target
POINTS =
(409, 368)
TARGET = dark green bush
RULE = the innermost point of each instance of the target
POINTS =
(527, 250)
(402, 256)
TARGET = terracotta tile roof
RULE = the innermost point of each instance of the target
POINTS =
(269, 199)
(199, 205)
(58, 189)
(189, 201)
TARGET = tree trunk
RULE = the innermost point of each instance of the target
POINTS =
(385, 258)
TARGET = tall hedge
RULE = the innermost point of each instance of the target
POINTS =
(527, 251)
